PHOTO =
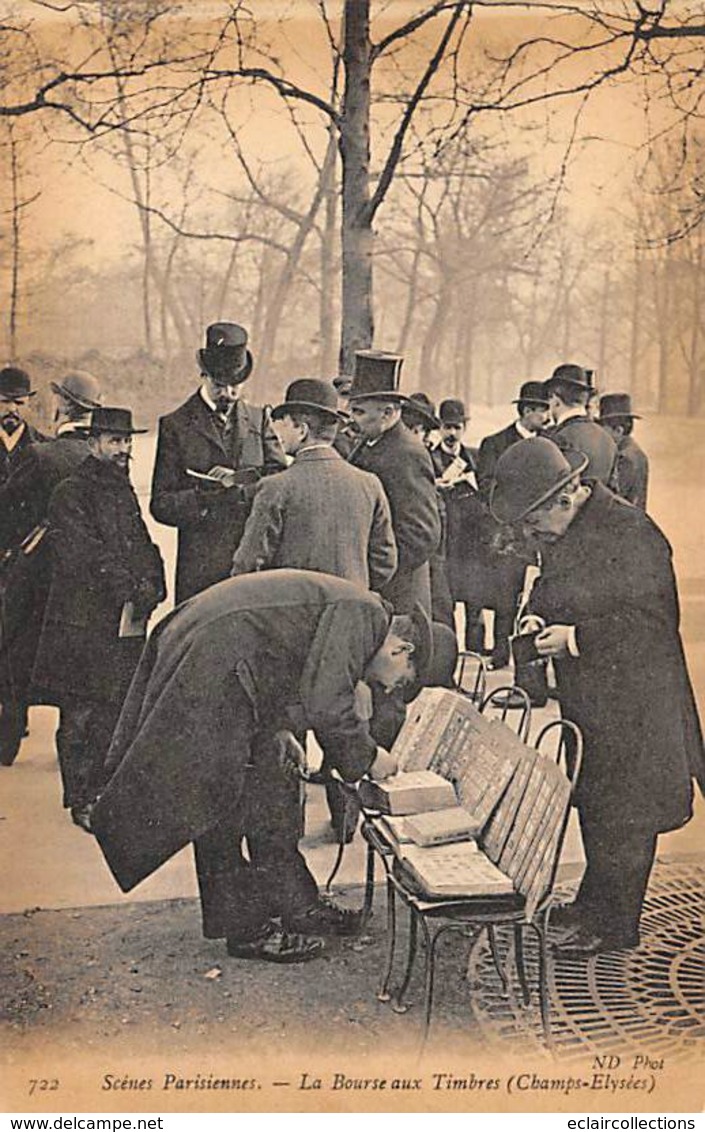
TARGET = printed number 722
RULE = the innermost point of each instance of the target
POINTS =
(43, 1085)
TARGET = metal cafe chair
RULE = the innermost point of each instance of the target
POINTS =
(528, 850)
(469, 683)
(509, 699)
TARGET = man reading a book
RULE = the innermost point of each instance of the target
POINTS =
(607, 595)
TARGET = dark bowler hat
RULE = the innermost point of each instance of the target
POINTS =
(226, 358)
(342, 384)
(113, 420)
(452, 411)
(534, 392)
(14, 383)
(376, 375)
(421, 407)
(573, 374)
(79, 387)
(616, 405)
(309, 393)
(435, 653)
(529, 474)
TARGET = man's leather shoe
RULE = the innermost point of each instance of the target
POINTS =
(583, 944)
(565, 915)
(327, 918)
(274, 945)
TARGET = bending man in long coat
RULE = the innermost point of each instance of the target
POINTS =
(233, 666)
(608, 596)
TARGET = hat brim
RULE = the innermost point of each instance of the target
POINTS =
(400, 398)
(116, 431)
(236, 378)
(284, 409)
(504, 514)
(82, 402)
(416, 409)
(17, 394)
(613, 416)
(570, 381)
(543, 402)
(436, 654)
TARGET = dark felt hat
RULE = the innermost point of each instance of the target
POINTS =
(14, 382)
(376, 376)
(119, 421)
(529, 474)
(226, 358)
(533, 392)
(573, 374)
(420, 407)
(81, 388)
(616, 405)
(309, 393)
(435, 653)
(452, 411)
(343, 384)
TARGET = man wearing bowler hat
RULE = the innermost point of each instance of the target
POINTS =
(205, 735)
(507, 571)
(321, 513)
(404, 467)
(607, 595)
(631, 479)
(24, 502)
(569, 389)
(107, 578)
(211, 452)
(15, 432)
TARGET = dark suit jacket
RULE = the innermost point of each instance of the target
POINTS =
(491, 448)
(11, 460)
(210, 521)
(631, 479)
(102, 557)
(586, 436)
(295, 641)
(611, 576)
(320, 514)
(404, 467)
(24, 498)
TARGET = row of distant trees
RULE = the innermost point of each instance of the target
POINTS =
(403, 204)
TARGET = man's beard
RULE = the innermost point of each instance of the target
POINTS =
(122, 462)
(10, 421)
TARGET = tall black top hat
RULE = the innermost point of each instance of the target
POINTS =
(113, 420)
(376, 375)
(529, 474)
(419, 407)
(14, 383)
(79, 387)
(309, 393)
(573, 374)
(616, 405)
(453, 411)
(226, 358)
(532, 392)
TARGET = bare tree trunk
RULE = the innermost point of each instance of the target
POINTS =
(664, 330)
(327, 363)
(16, 234)
(636, 315)
(694, 360)
(357, 320)
(604, 323)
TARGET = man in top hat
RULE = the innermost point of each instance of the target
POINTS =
(15, 432)
(24, 502)
(507, 571)
(267, 653)
(321, 513)
(607, 595)
(569, 389)
(404, 467)
(631, 478)
(107, 578)
(211, 452)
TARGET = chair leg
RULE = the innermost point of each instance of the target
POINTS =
(369, 885)
(496, 957)
(383, 993)
(541, 930)
(430, 972)
(521, 966)
(398, 1004)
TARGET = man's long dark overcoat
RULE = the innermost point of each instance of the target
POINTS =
(210, 524)
(404, 467)
(632, 472)
(10, 461)
(102, 557)
(295, 642)
(611, 576)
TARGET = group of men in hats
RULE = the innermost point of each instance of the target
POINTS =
(308, 540)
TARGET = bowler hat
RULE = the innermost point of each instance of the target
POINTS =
(376, 376)
(119, 421)
(420, 407)
(616, 405)
(309, 393)
(14, 383)
(452, 411)
(533, 392)
(528, 474)
(571, 373)
(226, 358)
(435, 653)
(342, 384)
(79, 387)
